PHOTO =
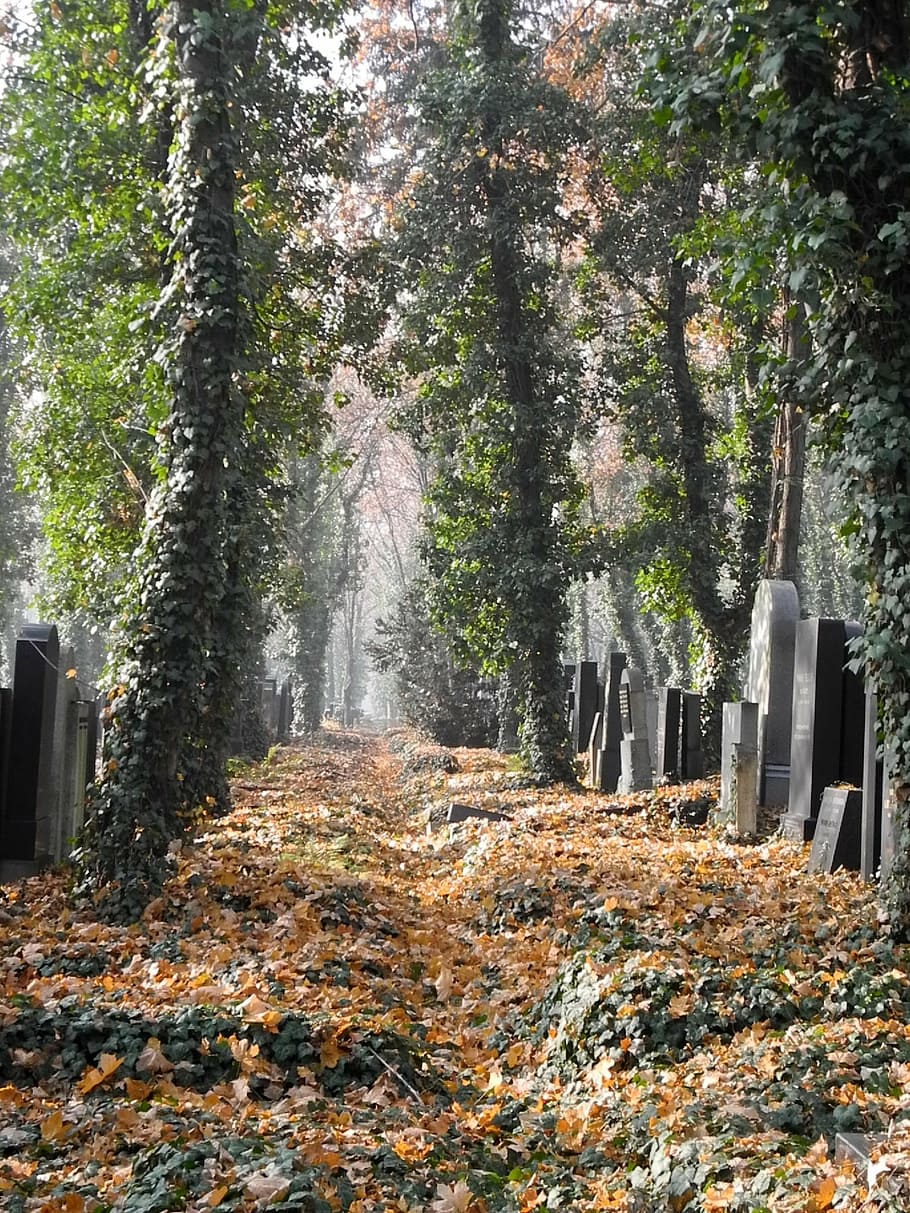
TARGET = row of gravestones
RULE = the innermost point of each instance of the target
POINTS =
(804, 738)
(631, 736)
(49, 735)
(48, 744)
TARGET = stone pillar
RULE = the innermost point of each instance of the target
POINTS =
(634, 751)
(772, 645)
(25, 831)
(610, 766)
(669, 710)
(871, 830)
(739, 736)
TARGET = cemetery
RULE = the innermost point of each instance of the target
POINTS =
(454, 607)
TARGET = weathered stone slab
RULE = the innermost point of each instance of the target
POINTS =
(836, 843)
(467, 812)
(770, 683)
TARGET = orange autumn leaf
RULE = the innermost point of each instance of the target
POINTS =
(108, 1064)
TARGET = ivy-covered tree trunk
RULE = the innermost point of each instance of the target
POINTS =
(498, 404)
(540, 599)
(179, 640)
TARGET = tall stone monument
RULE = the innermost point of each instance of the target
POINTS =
(775, 613)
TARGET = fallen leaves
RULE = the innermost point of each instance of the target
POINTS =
(328, 1006)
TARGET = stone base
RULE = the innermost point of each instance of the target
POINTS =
(797, 828)
(20, 869)
(775, 785)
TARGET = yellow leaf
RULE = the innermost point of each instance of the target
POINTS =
(443, 984)
(216, 1196)
(112, 56)
(330, 1055)
(53, 1128)
(71, 673)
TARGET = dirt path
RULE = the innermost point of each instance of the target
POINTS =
(584, 1006)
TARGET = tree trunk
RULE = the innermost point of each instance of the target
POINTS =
(180, 638)
(788, 468)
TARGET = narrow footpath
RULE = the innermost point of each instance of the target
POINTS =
(343, 1003)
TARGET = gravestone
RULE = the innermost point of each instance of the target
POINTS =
(467, 812)
(25, 829)
(818, 715)
(585, 703)
(609, 763)
(739, 735)
(853, 712)
(285, 710)
(634, 750)
(871, 835)
(6, 718)
(595, 749)
(669, 722)
(691, 756)
(772, 641)
(651, 715)
(836, 843)
(568, 673)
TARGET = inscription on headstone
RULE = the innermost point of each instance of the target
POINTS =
(836, 843)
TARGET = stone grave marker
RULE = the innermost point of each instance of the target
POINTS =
(691, 756)
(651, 716)
(585, 704)
(467, 812)
(772, 641)
(595, 749)
(568, 673)
(634, 750)
(853, 712)
(610, 764)
(669, 722)
(285, 710)
(836, 843)
(25, 830)
(871, 836)
(818, 719)
(6, 718)
(739, 738)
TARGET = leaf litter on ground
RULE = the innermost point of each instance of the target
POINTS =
(339, 1003)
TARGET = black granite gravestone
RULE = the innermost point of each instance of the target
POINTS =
(836, 843)
(815, 744)
(585, 703)
(6, 718)
(610, 764)
(853, 709)
(691, 757)
(669, 721)
(25, 829)
(568, 673)
(871, 843)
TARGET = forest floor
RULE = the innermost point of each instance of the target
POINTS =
(342, 1004)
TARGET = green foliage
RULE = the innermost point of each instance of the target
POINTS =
(498, 405)
(819, 94)
(673, 360)
(454, 705)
